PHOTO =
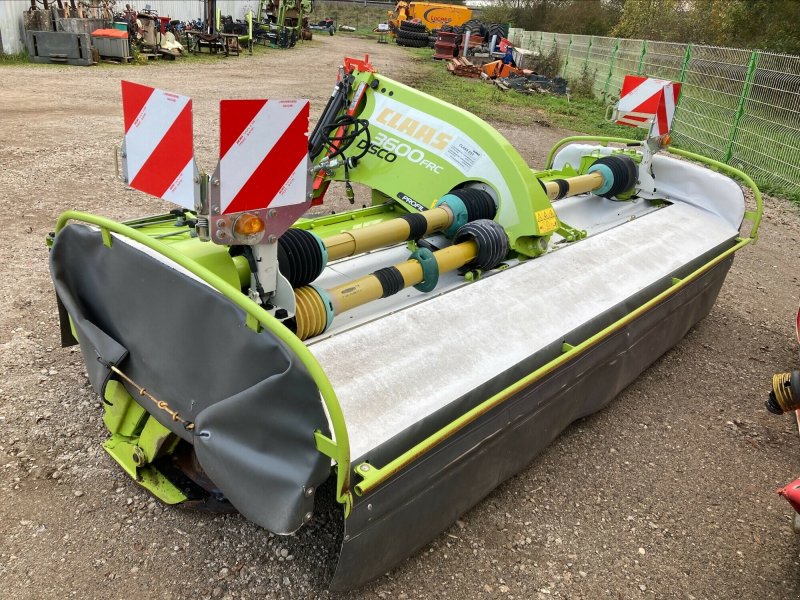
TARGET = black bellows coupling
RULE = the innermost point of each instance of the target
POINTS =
(492, 243)
(391, 280)
(480, 205)
(625, 173)
(301, 257)
(417, 225)
(563, 188)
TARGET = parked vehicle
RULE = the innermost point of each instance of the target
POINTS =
(430, 14)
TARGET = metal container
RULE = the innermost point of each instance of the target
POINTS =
(109, 47)
(59, 47)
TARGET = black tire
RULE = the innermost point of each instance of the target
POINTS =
(418, 27)
(412, 35)
(412, 26)
(412, 43)
(473, 25)
(501, 31)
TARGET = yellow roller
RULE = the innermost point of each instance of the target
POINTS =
(365, 289)
(579, 184)
(384, 234)
(313, 316)
(481, 244)
(398, 230)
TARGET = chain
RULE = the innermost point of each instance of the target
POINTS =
(188, 425)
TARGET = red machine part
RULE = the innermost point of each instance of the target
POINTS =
(498, 69)
(362, 66)
(445, 45)
(792, 493)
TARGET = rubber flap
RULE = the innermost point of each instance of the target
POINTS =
(254, 405)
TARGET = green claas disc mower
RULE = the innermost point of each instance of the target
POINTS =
(413, 353)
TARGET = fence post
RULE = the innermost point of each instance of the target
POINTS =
(588, 52)
(566, 60)
(687, 58)
(640, 67)
(611, 67)
(746, 87)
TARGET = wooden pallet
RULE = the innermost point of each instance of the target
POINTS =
(116, 59)
(463, 68)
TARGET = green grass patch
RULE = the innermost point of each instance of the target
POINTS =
(488, 101)
(208, 57)
(14, 59)
(363, 18)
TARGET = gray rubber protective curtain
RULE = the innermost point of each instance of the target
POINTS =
(254, 405)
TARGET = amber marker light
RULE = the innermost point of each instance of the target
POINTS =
(248, 227)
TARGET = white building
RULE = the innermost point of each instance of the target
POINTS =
(12, 35)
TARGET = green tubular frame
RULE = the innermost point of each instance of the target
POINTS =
(372, 476)
(258, 319)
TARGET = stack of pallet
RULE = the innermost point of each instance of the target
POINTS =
(463, 68)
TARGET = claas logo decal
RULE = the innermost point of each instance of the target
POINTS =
(414, 129)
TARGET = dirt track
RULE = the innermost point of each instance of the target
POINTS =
(668, 493)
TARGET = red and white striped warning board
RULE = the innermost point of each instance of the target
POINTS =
(648, 103)
(158, 155)
(263, 154)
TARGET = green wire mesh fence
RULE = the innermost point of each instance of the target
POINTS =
(741, 107)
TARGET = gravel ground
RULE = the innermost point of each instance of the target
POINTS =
(668, 493)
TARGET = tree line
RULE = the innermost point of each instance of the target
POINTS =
(772, 25)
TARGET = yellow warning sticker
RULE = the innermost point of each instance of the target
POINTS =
(546, 220)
